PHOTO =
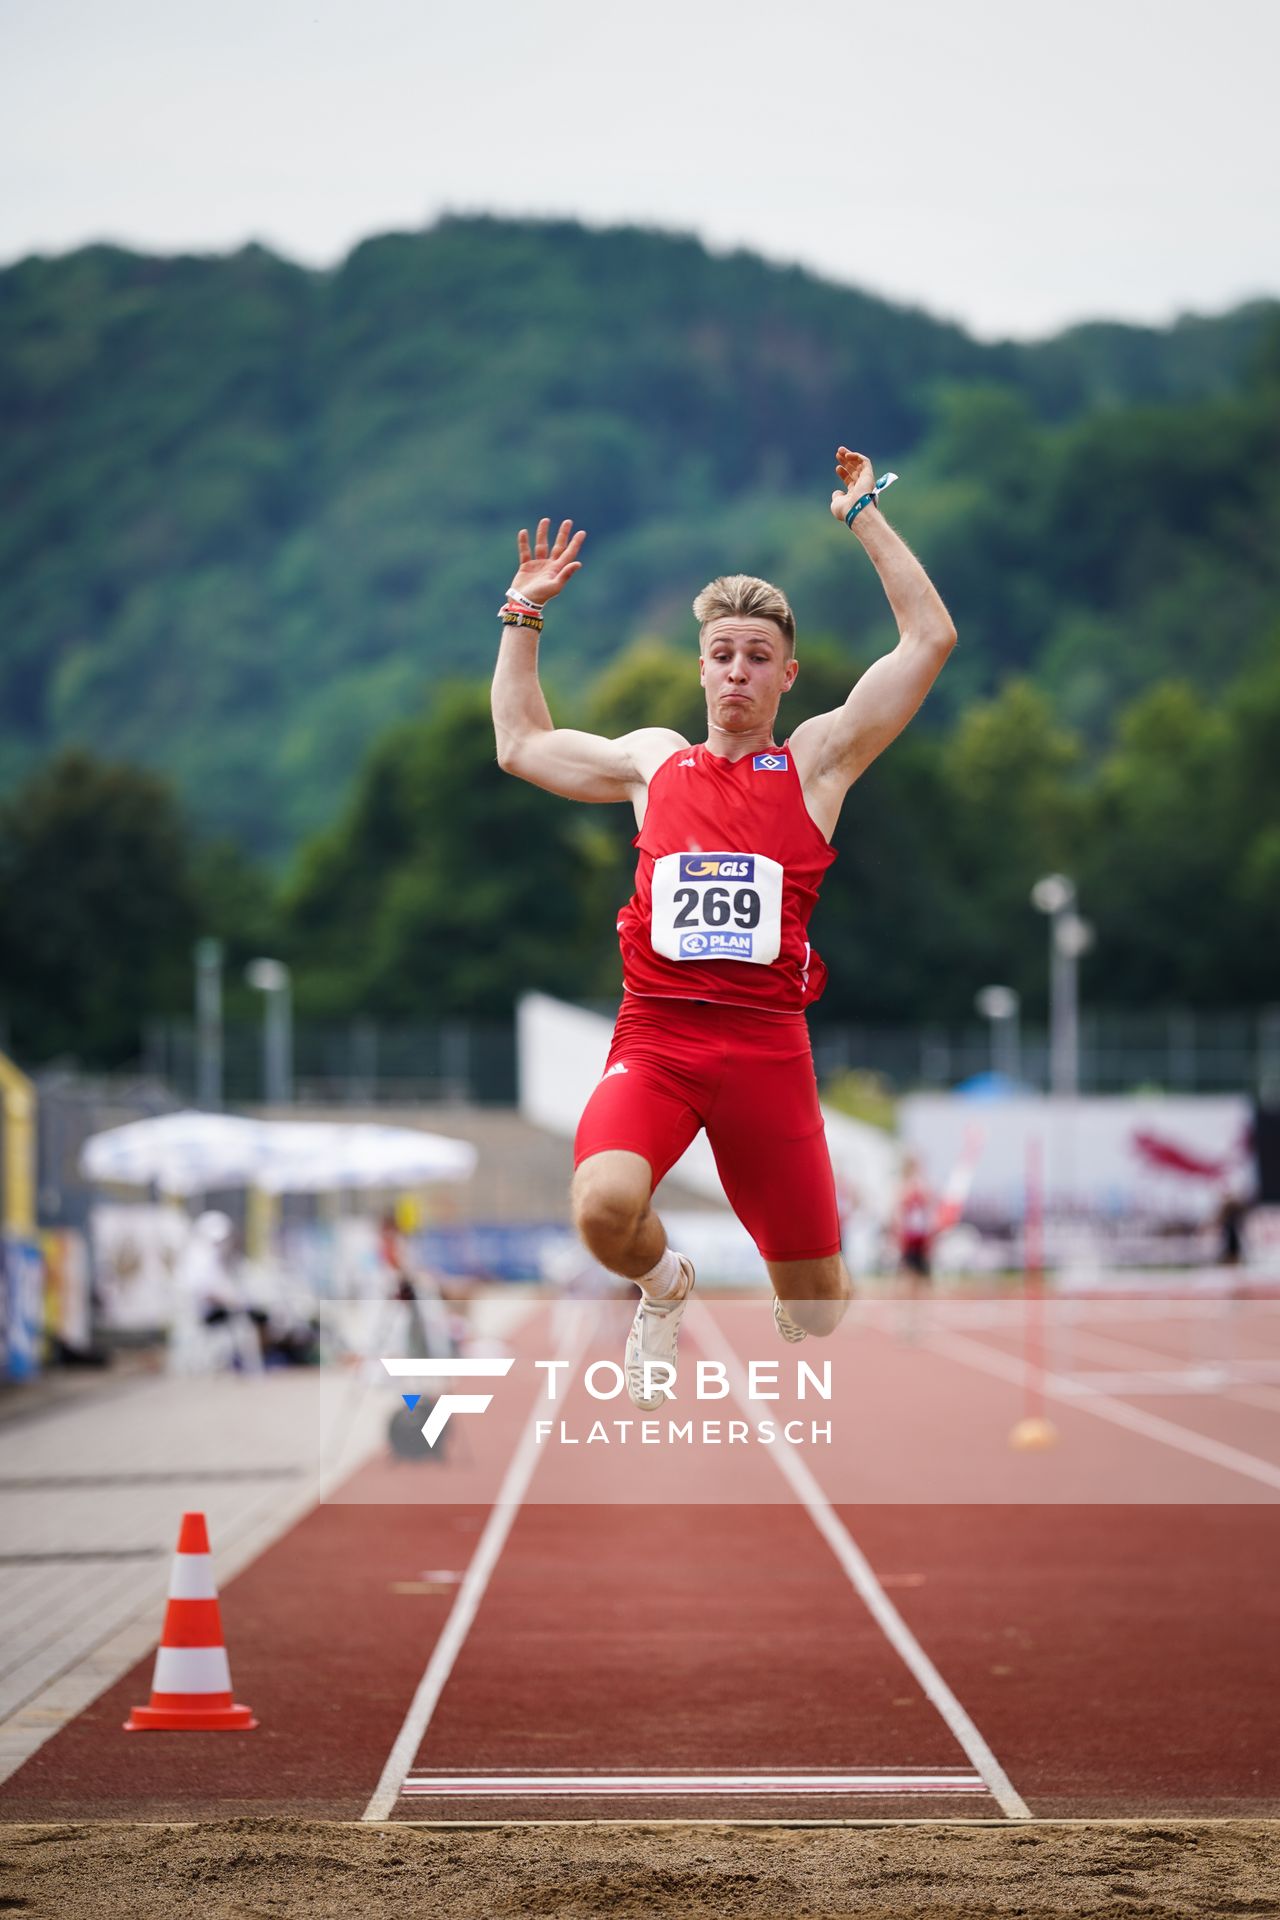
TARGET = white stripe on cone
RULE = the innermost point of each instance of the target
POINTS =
(192, 1670)
(192, 1577)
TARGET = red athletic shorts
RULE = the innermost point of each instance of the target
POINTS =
(678, 1065)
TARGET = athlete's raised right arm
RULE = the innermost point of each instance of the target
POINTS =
(581, 766)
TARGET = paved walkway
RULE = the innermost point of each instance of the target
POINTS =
(92, 1487)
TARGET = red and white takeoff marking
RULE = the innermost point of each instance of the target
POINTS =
(490, 1786)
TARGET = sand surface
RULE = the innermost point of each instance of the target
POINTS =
(238, 1869)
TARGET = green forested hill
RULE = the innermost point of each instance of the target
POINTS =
(249, 510)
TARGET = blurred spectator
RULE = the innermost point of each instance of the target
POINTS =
(1231, 1216)
(915, 1226)
(210, 1298)
(393, 1260)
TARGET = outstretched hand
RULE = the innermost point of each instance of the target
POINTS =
(544, 570)
(857, 476)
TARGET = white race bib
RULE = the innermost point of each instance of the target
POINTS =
(717, 906)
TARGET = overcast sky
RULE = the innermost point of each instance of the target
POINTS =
(1012, 163)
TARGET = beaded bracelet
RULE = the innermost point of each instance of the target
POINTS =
(513, 617)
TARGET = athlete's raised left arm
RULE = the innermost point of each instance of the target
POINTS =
(834, 748)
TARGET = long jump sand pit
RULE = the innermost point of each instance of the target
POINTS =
(1056, 1870)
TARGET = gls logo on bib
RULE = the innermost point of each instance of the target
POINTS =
(701, 866)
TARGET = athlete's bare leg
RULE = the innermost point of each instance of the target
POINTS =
(814, 1292)
(611, 1211)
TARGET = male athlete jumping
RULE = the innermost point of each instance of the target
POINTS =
(733, 841)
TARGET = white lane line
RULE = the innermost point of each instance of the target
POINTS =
(493, 1539)
(1237, 1378)
(878, 1604)
(1174, 1383)
(1152, 1426)
(490, 1786)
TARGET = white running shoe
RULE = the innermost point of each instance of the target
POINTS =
(786, 1325)
(652, 1339)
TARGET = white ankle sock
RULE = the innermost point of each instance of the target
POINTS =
(665, 1281)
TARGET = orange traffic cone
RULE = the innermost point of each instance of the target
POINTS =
(191, 1690)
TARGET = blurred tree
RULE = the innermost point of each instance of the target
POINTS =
(98, 910)
(1246, 969)
(449, 887)
(889, 918)
(1012, 809)
(649, 684)
(1156, 862)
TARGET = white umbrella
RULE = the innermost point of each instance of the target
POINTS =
(181, 1153)
(186, 1153)
(321, 1157)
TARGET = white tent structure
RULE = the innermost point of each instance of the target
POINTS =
(194, 1153)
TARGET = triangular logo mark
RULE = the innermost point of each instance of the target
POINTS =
(411, 1400)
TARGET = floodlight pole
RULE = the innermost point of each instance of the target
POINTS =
(208, 958)
(272, 979)
(1000, 1005)
(1069, 937)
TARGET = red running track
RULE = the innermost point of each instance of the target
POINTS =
(1117, 1661)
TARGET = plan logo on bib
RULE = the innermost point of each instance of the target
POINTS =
(769, 762)
(715, 946)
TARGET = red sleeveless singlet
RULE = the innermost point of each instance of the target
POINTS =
(730, 865)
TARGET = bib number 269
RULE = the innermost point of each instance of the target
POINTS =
(717, 906)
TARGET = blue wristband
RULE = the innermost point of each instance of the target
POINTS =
(868, 499)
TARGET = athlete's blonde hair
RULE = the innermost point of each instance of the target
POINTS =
(752, 599)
